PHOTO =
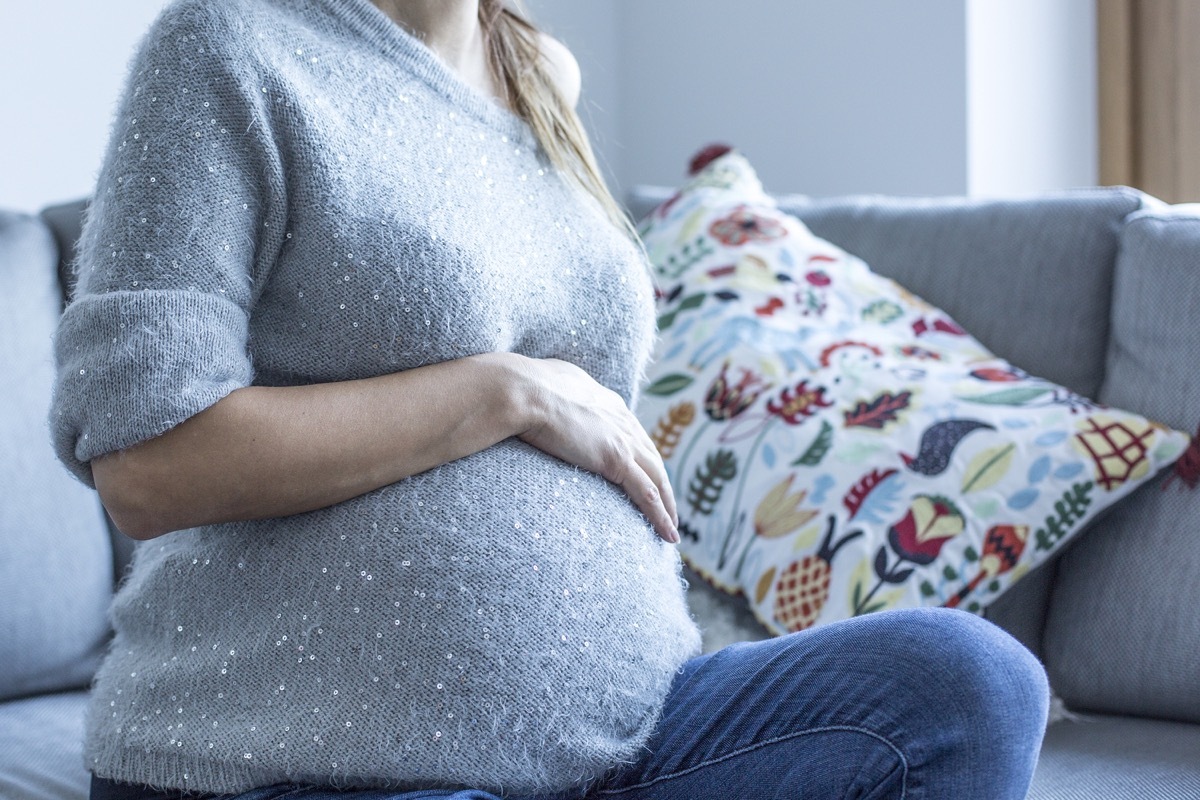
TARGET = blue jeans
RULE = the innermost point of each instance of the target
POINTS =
(922, 704)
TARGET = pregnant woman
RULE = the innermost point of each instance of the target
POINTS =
(356, 335)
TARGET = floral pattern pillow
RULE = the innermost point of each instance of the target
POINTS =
(838, 446)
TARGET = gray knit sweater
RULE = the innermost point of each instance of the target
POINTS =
(298, 191)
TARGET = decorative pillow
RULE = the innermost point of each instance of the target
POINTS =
(837, 445)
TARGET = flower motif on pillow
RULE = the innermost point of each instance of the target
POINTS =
(837, 445)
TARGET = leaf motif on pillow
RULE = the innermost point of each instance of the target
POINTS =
(819, 447)
(1039, 469)
(1010, 397)
(670, 384)
(988, 467)
(858, 494)
(1069, 510)
(878, 412)
(669, 431)
(882, 312)
(688, 254)
(687, 304)
(1023, 499)
(704, 489)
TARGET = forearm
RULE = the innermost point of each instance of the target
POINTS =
(269, 452)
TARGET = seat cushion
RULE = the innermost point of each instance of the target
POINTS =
(55, 555)
(1118, 758)
(1122, 631)
(1022, 609)
(41, 748)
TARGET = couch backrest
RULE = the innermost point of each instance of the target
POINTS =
(55, 555)
(1123, 630)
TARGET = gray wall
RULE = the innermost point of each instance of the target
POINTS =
(592, 28)
(62, 64)
(824, 97)
(829, 97)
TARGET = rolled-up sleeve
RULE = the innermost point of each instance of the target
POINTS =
(187, 219)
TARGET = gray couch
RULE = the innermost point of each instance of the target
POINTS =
(1098, 290)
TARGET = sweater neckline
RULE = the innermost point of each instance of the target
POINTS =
(394, 41)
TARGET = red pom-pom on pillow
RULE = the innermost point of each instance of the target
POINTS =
(706, 156)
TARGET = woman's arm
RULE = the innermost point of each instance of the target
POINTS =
(274, 451)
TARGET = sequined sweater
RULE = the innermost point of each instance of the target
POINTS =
(295, 192)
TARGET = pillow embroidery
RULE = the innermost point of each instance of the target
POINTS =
(837, 445)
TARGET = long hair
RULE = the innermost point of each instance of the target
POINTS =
(515, 60)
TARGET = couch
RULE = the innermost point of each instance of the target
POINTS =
(1095, 289)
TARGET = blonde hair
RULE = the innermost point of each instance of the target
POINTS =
(516, 61)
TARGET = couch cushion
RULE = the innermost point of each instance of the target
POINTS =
(1118, 758)
(1123, 631)
(1022, 609)
(65, 221)
(41, 748)
(55, 557)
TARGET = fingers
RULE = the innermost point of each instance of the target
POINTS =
(644, 479)
(651, 463)
(607, 438)
(647, 497)
(659, 506)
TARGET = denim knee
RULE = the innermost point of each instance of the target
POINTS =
(990, 669)
(991, 693)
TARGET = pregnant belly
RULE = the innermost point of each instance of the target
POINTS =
(503, 620)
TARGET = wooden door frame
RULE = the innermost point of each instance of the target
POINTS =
(1149, 96)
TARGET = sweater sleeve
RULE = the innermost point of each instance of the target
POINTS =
(187, 218)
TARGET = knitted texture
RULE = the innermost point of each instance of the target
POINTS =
(298, 191)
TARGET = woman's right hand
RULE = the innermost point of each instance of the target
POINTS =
(575, 418)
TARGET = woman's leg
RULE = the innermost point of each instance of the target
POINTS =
(924, 704)
(111, 790)
(292, 792)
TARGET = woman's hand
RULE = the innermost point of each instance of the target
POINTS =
(588, 425)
